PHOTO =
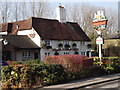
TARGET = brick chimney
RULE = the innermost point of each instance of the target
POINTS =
(9, 27)
(61, 14)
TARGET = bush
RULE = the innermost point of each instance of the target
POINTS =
(116, 69)
(29, 76)
(14, 62)
(112, 51)
(33, 62)
(110, 64)
(71, 63)
(15, 76)
(92, 71)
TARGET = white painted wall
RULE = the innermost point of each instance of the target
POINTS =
(3, 33)
(36, 39)
(54, 44)
(61, 14)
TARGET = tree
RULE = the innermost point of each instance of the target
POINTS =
(24, 11)
(4, 11)
(112, 51)
(38, 9)
(112, 24)
(16, 11)
(83, 14)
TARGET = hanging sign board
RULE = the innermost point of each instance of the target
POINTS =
(99, 21)
(102, 22)
(99, 40)
(32, 34)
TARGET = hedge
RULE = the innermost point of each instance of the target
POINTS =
(31, 76)
(110, 64)
(71, 63)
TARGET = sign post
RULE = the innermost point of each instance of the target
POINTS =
(99, 23)
(99, 41)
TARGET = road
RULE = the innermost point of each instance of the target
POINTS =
(110, 84)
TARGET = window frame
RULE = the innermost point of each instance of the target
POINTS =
(47, 42)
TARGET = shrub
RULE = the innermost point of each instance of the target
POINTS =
(71, 63)
(33, 62)
(16, 76)
(110, 64)
(116, 69)
(112, 51)
(92, 71)
(29, 76)
(14, 62)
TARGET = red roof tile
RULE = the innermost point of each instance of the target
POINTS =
(4, 26)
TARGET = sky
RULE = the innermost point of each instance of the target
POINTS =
(66, 0)
(104, 3)
(110, 4)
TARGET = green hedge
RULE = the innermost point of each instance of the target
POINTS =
(110, 64)
(29, 76)
(92, 71)
(34, 73)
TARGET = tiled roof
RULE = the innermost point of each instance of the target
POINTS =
(20, 41)
(3, 26)
(50, 29)
(12, 28)
(79, 31)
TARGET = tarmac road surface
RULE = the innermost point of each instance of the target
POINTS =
(111, 84)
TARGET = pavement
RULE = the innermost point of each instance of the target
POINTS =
(84, 82)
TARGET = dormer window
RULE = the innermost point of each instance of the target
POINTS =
(60, 45)
(67, 46)
(74, 45)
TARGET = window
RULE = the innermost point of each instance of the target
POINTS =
(74, 45)
(66, 53)
(26, 54)
(82, 42)
(47, 42)
(60, 45)
(77, 53)
(65, 42)
(29, 54)
(47, 54)
(56, 53)
(89, 46)
(82, 53)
